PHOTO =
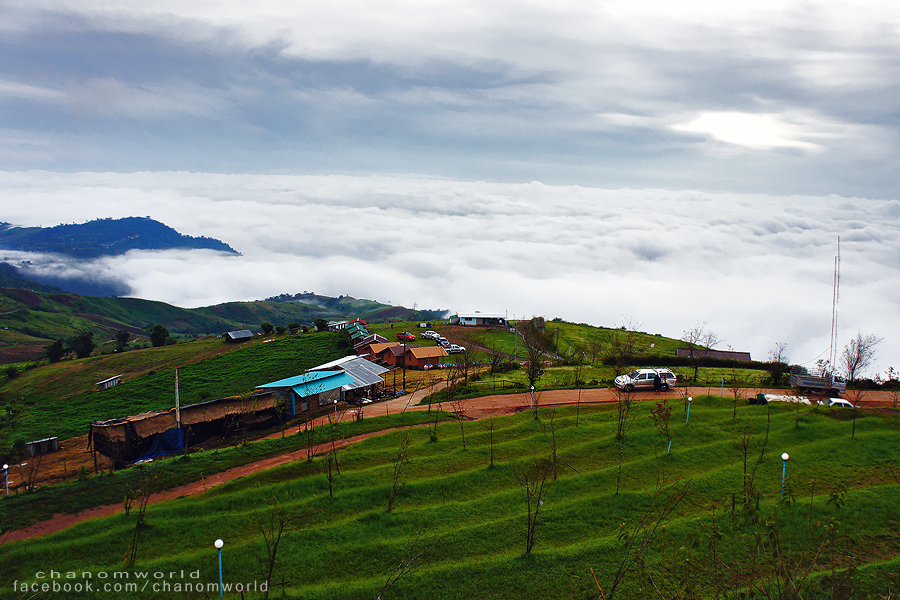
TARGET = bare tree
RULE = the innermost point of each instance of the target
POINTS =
(645, 534)
(533, 477)
(700, 341)
(458, 405)
(330, 468)
(859, 354)
(737, 390)
(661, 416)
(623, 346)
(778, 363)
(409, 562)
(273, 524)
(537, 343)
(857, 397)
(624, 401)
(400, 461)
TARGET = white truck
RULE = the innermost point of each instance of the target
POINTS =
(829, 383)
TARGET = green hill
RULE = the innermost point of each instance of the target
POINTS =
(61, 399)
(30, 319)
(678, 521)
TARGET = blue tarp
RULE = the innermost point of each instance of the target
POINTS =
(164, 443)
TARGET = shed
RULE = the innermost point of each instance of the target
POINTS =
(241, 335)
(44, 446)
(108, 383)
(478, 318)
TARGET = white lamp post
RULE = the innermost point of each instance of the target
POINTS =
(784, 459)
(688, 418)
(219, 544)
(532, 397)
(6, 476)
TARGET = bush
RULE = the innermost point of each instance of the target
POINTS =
(12, 371)
(506, 367)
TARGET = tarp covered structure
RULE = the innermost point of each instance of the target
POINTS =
(127, 439)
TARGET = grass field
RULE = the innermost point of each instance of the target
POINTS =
(61, 399)
(471, 518)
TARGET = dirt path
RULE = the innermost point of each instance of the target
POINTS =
(476, 408)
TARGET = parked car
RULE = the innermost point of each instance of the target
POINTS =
(837, 403)
(454, 349)
(406, 337)
(642, 379)
(442, 341)
(430, 335)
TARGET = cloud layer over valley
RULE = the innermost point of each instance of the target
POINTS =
(758, 269)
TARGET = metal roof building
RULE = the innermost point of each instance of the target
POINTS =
(239, 335)
(364, 372)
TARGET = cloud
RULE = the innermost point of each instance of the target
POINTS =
(783, 97)
(757, 268)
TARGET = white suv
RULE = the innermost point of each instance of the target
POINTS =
(642, 379)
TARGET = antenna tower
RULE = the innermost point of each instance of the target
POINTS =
(836, 296)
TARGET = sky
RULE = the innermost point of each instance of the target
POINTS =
(667, 164)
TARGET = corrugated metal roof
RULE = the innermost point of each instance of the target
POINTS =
(311, 383)
(364, 372)
(240, 334)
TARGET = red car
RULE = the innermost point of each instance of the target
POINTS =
(406, 337)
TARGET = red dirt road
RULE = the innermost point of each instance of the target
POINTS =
(476, 408)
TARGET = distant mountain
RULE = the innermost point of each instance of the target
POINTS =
(103, 237)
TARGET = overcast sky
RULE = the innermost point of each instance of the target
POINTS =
(696, 160)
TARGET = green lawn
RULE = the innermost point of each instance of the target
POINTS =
(839, 489)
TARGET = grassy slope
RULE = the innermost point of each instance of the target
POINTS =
(346, 546)
(61, 399)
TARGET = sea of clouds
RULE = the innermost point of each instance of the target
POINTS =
(756, 269)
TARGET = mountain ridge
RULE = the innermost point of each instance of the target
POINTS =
(104, 237)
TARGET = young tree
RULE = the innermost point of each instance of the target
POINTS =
(408, 563)
(320, 323)
(458, 405)
(624, 401)
(661, 416)
(533, 477)
(700, 342)
(274, 524)
(859, 354)
(267, 327)
(330, 467)
(400, 461)
(83, 344)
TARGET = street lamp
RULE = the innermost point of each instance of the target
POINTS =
(219, 544)
(690, 398)
(532, 397)
(6, 476)
(784, 459)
